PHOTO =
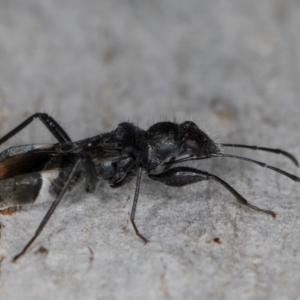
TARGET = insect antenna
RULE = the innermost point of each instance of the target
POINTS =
(277, 151)
(293, 177)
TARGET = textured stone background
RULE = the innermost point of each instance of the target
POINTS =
(233, 67)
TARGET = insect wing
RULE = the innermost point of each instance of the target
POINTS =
(101, 148)
(21, 164)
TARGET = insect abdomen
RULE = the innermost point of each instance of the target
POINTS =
(19, 190)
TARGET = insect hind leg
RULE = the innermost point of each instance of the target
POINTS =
(57, 131)
(83, 162)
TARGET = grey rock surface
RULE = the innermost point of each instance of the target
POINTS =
(230, 66)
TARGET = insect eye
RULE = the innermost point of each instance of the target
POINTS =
(192, 145)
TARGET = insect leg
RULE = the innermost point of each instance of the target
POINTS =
(135, 200)
(124, 172)
(181, 176)
(48, 121)
(86, 164)
(128, 177)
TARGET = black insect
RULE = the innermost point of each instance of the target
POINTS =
(30, 171)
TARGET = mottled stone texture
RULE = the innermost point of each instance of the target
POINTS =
(230, 66)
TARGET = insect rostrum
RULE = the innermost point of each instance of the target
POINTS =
(117, 157)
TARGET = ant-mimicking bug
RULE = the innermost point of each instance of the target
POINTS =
(117, 156)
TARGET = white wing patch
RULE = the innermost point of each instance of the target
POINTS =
(47, 178)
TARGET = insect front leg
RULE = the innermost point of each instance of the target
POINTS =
(123, 173)
(48, 121)
(181, 176)
(83, 163)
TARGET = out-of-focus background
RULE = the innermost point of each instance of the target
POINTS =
(233, 67)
